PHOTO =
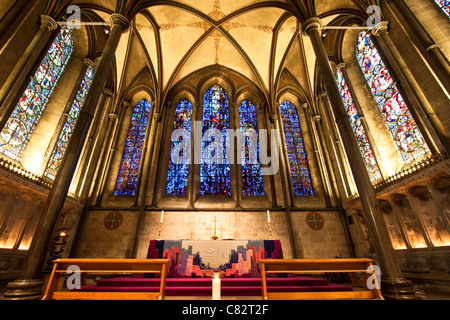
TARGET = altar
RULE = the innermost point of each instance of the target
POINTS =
(200, 258)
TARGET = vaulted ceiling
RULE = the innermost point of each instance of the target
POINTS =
(259, 39)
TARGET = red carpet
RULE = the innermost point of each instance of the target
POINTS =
(203, 286)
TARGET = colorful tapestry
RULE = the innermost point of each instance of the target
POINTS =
(199, 258)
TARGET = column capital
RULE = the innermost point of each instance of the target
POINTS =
(274, 118)
(49, 22)
(380, 27)
(311, 24)
(157, 116)
(88, 62)
(125, 104)
(322, 95)
(317, 118)
(119, 20)
(305, 105)
(341, 66)
(108, 93)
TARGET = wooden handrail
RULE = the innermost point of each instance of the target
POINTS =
(61, 266)
(314, 266)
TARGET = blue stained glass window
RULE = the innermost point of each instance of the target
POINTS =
(300, 174)
(67, 130)
(444, 5)
(131, 159)
(363, 143)
(177, 176)
(395, 112)
(215, 178)
(17, 132)
(251, 172)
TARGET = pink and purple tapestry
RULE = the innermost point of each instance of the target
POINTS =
(199, 258)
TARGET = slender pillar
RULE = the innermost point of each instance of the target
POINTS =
(319, 154)
(381, 31)
(433, 53)
(144, 178)
(285, 186)
(107, 154)
(336, 148)
(394, 285)
(94, 146)
(12, 86)
(26, 287)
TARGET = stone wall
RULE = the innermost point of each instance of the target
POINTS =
(97, 241)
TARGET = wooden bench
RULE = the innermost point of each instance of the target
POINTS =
(105, 266)
(317, 266)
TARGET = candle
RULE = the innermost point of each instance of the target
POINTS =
(268, 216)
(216, 287)
(162, 216)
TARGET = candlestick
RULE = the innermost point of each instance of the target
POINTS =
(162, 216)
(268, 216)
(216, 287)
(270, 231)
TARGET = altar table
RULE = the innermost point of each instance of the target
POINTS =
(199, 258)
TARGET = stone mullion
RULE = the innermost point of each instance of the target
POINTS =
(93, 148)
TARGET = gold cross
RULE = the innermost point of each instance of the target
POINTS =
(215, 237)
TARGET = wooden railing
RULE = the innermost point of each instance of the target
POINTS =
(105, 266)
(318, 266)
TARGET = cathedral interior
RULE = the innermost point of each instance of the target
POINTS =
(91, 92)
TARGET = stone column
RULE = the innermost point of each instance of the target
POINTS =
(341, 164)
(394, 285)
(285, 185)
(93, 147)
(29, 285)
(433, 54)
(381, 31)
(9, 93)
(12, 21)
(144, 177)
(107, 154)
(65, 115)
(318, 151)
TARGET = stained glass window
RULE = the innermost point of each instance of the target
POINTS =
(300, 174)
(177, 177)
(215, 176)
(18, 130)
(69, 125)
(444, 5)
(131, 159)
(393, 108)
(358, 129)
(251, 167)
